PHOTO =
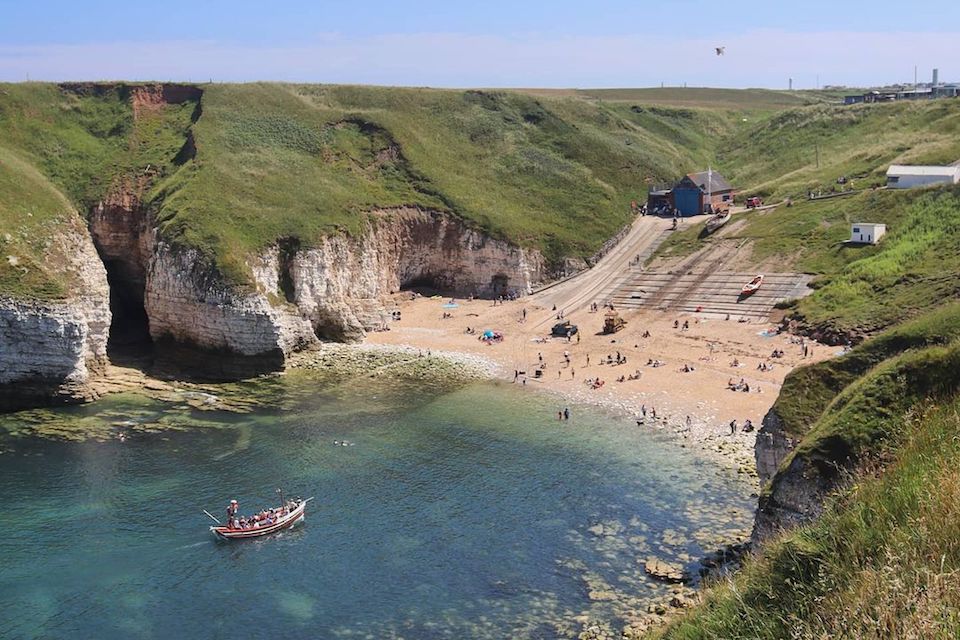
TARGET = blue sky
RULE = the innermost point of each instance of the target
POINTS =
(491, 43)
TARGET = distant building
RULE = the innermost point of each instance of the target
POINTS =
(857, 99)
(658, 199)
(900, 176)
(698, 192)
(867, 232)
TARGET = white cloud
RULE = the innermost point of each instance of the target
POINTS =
(757, 58)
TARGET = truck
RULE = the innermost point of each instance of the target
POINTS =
(612, 322)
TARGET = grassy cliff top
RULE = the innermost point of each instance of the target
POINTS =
(232, 168)
(556, 174)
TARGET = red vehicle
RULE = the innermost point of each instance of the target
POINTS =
(754, 202)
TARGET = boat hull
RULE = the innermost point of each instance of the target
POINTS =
(716, 222)
(752, 286)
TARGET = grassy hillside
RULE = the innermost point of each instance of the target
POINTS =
(274, 161)
(297, 160)
(779, 156)
(60, 152)
(882, 563)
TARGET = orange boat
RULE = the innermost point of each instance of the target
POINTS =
(752, 286)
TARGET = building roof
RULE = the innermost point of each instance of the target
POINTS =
(717, 181)
(869, 224)
(922, 170)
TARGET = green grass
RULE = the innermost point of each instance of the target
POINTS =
(63, 151)
(916, 267)
(778, 156)
(33, 212)
(808, 391)
(556, 174)
(883, 562)
(275, 161)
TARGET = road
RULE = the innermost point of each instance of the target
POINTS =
(588, 286)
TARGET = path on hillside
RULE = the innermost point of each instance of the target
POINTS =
(592, 285)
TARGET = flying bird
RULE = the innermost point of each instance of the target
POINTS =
(720, 50)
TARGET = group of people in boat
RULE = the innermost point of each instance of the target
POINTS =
(264, 518)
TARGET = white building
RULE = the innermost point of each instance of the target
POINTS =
(902, 176)
(867, 232)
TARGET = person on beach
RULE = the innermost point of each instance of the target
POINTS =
(733, 426)
(560, 415)
(566, 413)
(573, 374)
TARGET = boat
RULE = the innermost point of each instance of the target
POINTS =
(752, 286)
(718, 221)
(295, 514)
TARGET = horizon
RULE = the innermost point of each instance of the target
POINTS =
(426, 43)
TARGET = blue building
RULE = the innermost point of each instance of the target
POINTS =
(702, 192)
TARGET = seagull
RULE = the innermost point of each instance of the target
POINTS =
(720, 50)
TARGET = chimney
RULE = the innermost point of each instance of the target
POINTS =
(936, 72)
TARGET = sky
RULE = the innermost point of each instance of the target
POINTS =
(491, 43)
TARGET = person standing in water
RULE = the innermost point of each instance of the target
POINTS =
(566, 413)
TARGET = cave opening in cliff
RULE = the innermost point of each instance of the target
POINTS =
(425, 285)
(130, 326)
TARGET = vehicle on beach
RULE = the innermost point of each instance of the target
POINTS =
(277, 519)
(563, 330)
(612, 322)
(752, 286)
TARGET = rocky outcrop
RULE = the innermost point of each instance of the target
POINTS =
(188, 304)
(795, 496)
(772, 446)
(342, 285)
(336, 290)
(792, 495)
(51, 351)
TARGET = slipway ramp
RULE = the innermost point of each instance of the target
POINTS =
(716, 292)
(599, 282)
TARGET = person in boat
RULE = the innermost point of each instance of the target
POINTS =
(232, 509)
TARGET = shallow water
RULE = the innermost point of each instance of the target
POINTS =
(461, 514)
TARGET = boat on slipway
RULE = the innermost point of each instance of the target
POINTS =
(718, 221)
(752, 286)
(286, 517)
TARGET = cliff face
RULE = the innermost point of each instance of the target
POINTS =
(51, 351)
(342, 285)
(338, 290)
(792, 495)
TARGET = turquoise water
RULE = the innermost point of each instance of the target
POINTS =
(464, 514)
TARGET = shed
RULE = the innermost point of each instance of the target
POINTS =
(901, 176)
(867, 232)
(697, 191)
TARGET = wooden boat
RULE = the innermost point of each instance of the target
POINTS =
(752, 286)
(718, 221)
(295, 515)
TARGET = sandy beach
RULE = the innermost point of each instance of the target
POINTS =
(719, 351)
